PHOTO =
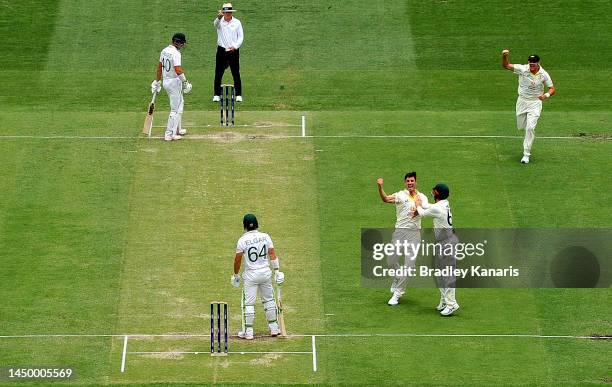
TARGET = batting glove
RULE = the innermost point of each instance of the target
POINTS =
(235, 280)
(187, 87)
(155, 86)
(280, 277)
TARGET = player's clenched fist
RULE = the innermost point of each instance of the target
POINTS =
(379, 181)
(505, 51)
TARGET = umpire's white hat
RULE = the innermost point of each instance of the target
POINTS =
(227, 7)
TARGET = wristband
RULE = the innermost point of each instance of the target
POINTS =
(547, 95)
(182, 77)
(275, 263)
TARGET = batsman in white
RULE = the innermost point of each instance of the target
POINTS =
(256, 249)
(407, 228)
(445, 235)
(175, 83)
(532, 79)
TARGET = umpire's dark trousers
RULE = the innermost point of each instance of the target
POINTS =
(224, 59)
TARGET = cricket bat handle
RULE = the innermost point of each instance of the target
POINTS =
(152, 104)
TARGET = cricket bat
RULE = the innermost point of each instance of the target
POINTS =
(279, 311)
(148, 122)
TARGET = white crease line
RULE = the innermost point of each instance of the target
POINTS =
(9, 137)
(455, 335)
(103, 335)
(234, 126)
(314, 354)
(264, 136)
(444, 136)
(123, 357)
(188, 335)
(230, 352)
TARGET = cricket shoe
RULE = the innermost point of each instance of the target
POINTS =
(247, 334)
(525, 160)
(441, 306)
(182, 132)
(274, 331)
(394, 300)
(449, 310)
(216, 98)
(238, 98)
(172, 138)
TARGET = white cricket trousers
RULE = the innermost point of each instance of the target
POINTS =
(174, 88)
(446, 285)
(527, 115)
(255, 280)
(413, 238)
(261, 280)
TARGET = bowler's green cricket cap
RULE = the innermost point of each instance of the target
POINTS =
(534, 58)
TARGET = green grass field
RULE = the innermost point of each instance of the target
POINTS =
(105, 233)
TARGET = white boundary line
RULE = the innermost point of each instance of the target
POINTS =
(188, 335)
(123, 357)
(314, 354)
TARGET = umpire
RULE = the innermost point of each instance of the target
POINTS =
(229, 40)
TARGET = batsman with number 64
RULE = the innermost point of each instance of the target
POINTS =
(256, 249)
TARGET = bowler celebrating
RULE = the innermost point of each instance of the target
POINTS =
(532, 79)
(257, 251)
(407, 228)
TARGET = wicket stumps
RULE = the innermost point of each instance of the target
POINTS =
(216, 305)
(228, 96)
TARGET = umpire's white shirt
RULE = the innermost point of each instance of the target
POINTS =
(404, 210)
(254, 246)
(229, 34)
(169, 58)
